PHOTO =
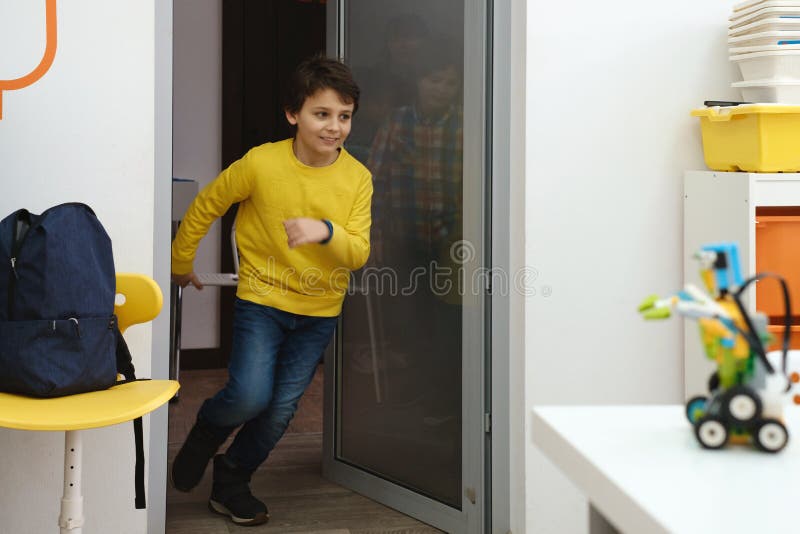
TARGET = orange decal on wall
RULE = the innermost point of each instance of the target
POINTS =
(44, 65)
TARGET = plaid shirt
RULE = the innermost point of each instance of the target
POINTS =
(417, 172)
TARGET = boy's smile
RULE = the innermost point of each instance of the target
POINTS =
(323, 123)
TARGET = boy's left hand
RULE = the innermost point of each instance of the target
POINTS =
(304, 230)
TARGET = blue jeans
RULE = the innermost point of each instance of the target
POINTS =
(274, 357)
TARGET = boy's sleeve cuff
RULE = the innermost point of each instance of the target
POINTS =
(330, 232)
(181, 267)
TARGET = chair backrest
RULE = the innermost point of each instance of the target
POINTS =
(141, 302)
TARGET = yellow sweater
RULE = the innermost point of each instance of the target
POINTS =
(272, 185)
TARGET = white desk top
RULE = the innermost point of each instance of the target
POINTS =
(641, 467)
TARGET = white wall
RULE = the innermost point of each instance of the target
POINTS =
(609, 91)
(84, 132)
(197, 142)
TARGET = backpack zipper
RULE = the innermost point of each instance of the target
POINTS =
(16, 247)
(13, 278)
(12, 275)
(77, 326)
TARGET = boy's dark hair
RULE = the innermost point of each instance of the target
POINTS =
(438, 54)
(319, 72)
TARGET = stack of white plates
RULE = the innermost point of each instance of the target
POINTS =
(764, 40)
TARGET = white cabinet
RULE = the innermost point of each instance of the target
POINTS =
(721, 206)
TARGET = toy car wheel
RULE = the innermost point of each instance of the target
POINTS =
(742, 405)
(770, 435)
(711, 432)
(696, 408)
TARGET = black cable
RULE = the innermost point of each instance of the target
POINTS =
(752, 336)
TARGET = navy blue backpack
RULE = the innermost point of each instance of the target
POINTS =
(58, 332)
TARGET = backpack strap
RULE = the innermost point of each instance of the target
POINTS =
(124, 359)
(139, 476)
(125, 368)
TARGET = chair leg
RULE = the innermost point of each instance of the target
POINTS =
(71, 518)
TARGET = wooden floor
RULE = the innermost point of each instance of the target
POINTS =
(290, 482)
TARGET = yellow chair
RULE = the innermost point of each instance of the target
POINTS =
(125, 402)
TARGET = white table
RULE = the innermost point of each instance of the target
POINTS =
(643, 471)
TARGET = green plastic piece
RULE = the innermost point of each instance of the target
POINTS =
(648, 303)
(657, 313)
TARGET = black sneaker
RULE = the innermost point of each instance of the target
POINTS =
(202, 442)
(230, 494)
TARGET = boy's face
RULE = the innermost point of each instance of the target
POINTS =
(323, 123)
(438, 89)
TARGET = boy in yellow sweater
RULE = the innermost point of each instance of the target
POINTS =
(302, 225)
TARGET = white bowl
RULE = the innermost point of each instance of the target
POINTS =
(758, 5)
(766, 25)
(770, 91)
(780, 65)
(764, 38)
(736, 51)
(787, 13)
(748, 4)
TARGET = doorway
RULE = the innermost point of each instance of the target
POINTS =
(368, 367)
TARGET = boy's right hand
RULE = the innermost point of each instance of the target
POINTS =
(184, 280)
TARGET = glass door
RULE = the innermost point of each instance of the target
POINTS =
(406, 420)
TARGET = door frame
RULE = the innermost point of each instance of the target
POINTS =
(477, 454)
(157, 422)
(507, 65)
(506, 473)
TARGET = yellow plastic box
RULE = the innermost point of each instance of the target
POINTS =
(751, 137)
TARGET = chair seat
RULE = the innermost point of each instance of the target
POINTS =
(218, 279)
(86, 410)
